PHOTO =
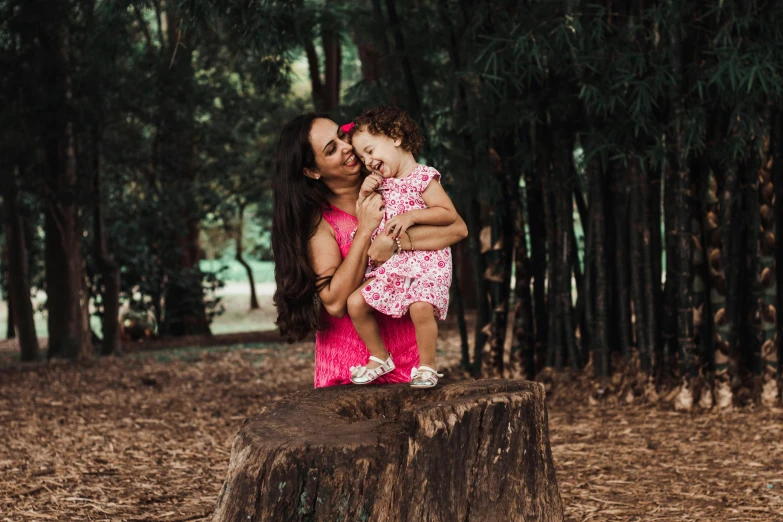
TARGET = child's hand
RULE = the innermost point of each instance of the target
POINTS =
(370, 185)
(399, 224)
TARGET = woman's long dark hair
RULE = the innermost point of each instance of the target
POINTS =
(298, 204)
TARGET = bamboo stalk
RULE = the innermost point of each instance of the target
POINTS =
(753, 339)
(648, 279)
(698, 278)
(620, 226)
(777, 176)
(669, 306)
(462, 325)
(719, 216)
(766, 280)
(637, 264)
(538, 254)
(654, 226)
(599, 325)
(477, 261)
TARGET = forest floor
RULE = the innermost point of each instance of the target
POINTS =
(147, 437)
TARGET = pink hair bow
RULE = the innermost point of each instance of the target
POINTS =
(347, 127)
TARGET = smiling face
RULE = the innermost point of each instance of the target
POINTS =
(334, 157)
(379, 153)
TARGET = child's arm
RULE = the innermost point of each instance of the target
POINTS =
(441, 212)
(370, 185)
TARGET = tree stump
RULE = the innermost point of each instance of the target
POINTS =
(467, 451)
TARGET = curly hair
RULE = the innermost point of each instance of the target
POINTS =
(394, 123)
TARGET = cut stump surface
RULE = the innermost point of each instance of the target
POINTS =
(468, 451)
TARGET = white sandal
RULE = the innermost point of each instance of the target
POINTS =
(424, 377)
(364, 375)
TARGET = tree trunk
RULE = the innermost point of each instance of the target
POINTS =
(767, 282)
(598, 326)
(563, 148)
(10, 332)
(579, 310)
(649, 284)
(110, 270)
(316, 86)
(63, 255)
(751, 341)
(462, 325)
(637, 265)
(370, 59)
(405, 62)
(241, 259)
(20, 306)
(776, 149)
(554, 355)
(378, 454)
(483, 311)
(622, 274)
(684, 297)
(463, 271)
(498, 274)
(701, 283)
(523, 344)
(655, 250)
(381, 25)
(495, 276)
(669, 318)
(538, 256)
(688, 363)
(332, 68)
(185, 311)
(719, 216)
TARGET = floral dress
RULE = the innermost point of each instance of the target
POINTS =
(409, 276)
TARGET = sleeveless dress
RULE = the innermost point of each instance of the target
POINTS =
(409, 276)
(338, 346)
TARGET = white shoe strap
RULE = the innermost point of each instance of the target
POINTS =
(422, 369)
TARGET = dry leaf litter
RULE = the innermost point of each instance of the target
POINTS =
(147, 437)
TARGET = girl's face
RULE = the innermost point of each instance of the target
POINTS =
(379, 153)
(334, 157)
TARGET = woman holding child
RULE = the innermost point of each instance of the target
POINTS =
(327, 214)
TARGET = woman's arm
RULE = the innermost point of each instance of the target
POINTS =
(346, 274)
(440, 211)
(424, 237)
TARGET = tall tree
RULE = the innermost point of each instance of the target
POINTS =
(20, 304)
(767, 276)
(185, 312)
(66, 299)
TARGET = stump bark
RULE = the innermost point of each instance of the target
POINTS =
(468, 451)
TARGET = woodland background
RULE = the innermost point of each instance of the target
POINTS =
(615, 162)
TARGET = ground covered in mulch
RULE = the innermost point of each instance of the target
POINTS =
(147, 437)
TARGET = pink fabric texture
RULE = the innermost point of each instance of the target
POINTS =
(338, 346)
(410, 276)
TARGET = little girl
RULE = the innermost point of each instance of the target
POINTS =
(387, 141)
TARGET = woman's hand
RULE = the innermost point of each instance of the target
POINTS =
(381, 249)
(369, 213)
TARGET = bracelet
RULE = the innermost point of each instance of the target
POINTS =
(399, 245)
(409, 239)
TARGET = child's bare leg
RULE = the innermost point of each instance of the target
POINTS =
(366, 326)
(423, 316)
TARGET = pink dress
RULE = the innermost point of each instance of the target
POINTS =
(409, 276)
(338, 346)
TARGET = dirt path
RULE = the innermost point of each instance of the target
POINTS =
(148, 437)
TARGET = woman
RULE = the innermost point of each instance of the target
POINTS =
(317, 262)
